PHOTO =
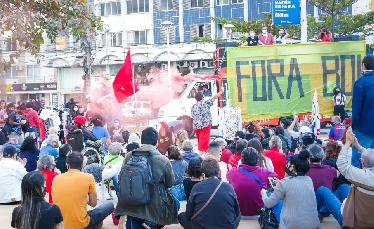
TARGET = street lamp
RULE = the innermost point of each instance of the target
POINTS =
(167, 25)
(229, 28)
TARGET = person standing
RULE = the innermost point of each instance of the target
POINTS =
(265, 38)
(363, 109)
(161, 210)
(282, 37)
(202, 119)
(337, 130)
(14, 122)
(339, 103)
(35, 212)
(252, 39)
(72, 191)
(3, 114)
(325, 35)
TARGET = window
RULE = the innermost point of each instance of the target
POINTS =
(115, 39)
(201, 31)
(137, 37)
(11, 73)
(110, 8)
(166, 5)
(197, 3)
(237, 1)
(11, 44)
(264, 8)
(137, 6)
(33, 71)
(223, 2)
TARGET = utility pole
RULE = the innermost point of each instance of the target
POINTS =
(303, 22)
(2, 68)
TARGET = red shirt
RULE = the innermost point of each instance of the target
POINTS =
(279, 161)
(225, 156)
(49, 176)
(326, 38)
(234, 160)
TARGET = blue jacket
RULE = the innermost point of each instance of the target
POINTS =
(363, 105)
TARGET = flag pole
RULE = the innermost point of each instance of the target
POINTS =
(133, 85)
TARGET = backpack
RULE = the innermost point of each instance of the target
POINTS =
(75, 139)
(135, 181)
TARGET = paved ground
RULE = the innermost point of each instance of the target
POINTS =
(6, 214)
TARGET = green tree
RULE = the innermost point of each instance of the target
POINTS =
(28, 21)
(332, 8)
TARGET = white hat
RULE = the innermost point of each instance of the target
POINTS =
(305, 129)
(134, 138)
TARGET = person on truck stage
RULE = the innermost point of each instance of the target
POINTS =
(202, 119)
(339, 103)
(252, 39)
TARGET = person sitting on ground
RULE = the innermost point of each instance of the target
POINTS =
(52, 146)
(278, 158)
(232, 145)
(114, 156)
(182, 135)
(322, 175)
(163, 177)
(46, 165)
(215, 151)
(222, 211)
(188, 154)
(194, 175)
(30, 152)
(248, 180)
(113, 162)
(241, 144)
(225, 153)
(363, 184)
(263, 161)
(299, 208)
(251, 132)
(177, 163)
(179, 169)
(12, 170)
(337, 130)
(332, 151)
(35, 212)
(64, 150)
(73, 190)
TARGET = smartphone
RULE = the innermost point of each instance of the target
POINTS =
(272, 182)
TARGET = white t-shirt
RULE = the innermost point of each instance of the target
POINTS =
(11, 174)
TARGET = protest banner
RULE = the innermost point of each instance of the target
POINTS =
(274, 81)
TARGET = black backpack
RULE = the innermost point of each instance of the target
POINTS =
(135, 181)
(75, 139)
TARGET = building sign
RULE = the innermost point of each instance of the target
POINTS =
(31, 87)
(275, 81)
(286, 12)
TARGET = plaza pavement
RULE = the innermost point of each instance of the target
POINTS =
(6, 215)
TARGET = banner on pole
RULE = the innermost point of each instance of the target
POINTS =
(286, 12)
(273, 81)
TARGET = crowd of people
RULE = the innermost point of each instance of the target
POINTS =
(265, 38)
(284, 174)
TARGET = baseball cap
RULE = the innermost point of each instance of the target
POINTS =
(80, 120)
(9, 151)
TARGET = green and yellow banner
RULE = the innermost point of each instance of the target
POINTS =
(274, 81)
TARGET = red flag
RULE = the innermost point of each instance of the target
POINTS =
(123, 85)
